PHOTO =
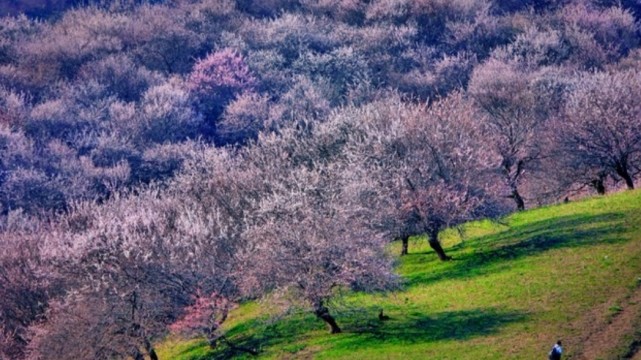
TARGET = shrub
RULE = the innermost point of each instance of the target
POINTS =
(54, 119)
(163, 40)
(120, 77)
(340, 68)
(305, 100)
(31, 190)
(350, 11)
(13, 108)
(218, 79)
(244, 118)
(166, 114)
(80, 36)
(614, 29)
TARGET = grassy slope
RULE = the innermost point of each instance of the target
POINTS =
(553, 272)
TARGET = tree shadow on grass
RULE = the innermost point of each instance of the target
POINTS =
(366, 331)
(261, 333)
(198, 350)
(420, 328)
(494, 252)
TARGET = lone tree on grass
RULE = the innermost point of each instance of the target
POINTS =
(512, 120)
(416, 169)
(308, 241)
(601, 129)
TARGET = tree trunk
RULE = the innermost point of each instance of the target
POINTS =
(150, 350)
(404, 248)
(238, 347)
(599, 186)
(213, 337)
(623, 172)
(152, 354)
(436, 245)
(137, 355)
(322, 312)
(518, 199)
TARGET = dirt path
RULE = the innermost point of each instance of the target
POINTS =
(606, 340)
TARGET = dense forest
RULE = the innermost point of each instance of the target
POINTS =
(162, 161)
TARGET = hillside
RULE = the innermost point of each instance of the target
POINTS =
(568, 271)
(241, 169)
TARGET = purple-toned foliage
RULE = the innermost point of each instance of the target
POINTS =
(102, 108)
(120, 76)
(351, 11)
(219, 78)
(26, 282)
(417, 170)
(601, 128)
(244, 118)
(166, 114)
(514, 114)
(305, 100)
(299, 225)
(163, 38)
(201, 315)
(614, 28)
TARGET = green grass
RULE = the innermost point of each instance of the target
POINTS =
(510, 292)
